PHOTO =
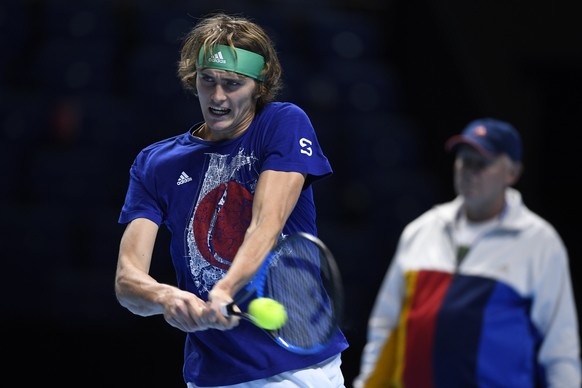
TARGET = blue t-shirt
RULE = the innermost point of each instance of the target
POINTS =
(203, 192)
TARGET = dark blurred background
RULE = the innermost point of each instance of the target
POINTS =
(84, 85)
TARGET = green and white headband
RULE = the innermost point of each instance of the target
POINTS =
(240, 61)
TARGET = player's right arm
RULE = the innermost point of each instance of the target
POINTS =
(141, 294)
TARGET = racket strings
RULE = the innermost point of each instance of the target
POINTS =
(299, 278)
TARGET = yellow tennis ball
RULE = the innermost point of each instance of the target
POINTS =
(268, 313)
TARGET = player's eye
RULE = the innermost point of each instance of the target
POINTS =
(206, 78)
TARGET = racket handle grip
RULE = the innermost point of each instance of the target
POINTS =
(227, 309)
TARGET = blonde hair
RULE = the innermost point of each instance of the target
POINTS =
(236, 32)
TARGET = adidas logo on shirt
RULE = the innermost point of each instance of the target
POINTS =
(184, 178)
(218, 58)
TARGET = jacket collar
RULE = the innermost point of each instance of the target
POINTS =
(513, 217)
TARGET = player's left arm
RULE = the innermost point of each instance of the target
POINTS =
(275, 198)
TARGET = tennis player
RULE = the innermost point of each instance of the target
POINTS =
(227, 189)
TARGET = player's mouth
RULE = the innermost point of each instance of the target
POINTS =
(218, 111)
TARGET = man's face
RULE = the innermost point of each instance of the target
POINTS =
(480, 179)
(227, 102)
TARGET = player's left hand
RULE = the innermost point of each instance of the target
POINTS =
(216, 299)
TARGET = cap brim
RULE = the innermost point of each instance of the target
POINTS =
(456, 140)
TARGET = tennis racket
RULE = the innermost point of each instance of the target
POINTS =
(302, 275)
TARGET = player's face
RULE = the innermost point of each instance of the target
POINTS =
(227, 102)
(482, 180)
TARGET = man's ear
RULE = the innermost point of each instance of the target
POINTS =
(515, 171)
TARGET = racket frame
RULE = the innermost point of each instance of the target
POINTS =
(255, 285)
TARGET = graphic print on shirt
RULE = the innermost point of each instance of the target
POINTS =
(221, 216)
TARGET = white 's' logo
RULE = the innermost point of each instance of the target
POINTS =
(305, 146)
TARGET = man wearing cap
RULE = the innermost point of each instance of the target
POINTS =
(479, 292)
